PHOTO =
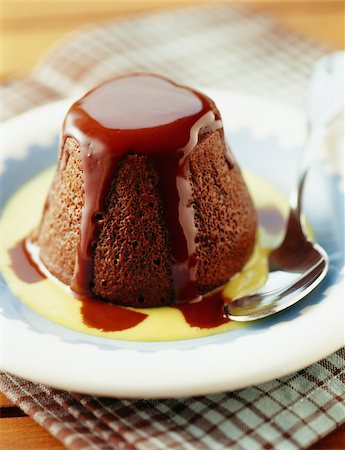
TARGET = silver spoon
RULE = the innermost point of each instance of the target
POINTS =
(298, 265)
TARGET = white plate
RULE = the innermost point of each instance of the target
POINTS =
(265, 137)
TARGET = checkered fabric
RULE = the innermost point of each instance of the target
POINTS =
(224, 46)
(285, 414)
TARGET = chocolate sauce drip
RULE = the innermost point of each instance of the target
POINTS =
(23, 265)
(208, 313)
(107, 316)
(143, 114)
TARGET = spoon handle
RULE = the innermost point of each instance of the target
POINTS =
(325, 103)
(314, 142)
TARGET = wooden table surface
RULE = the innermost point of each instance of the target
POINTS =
(30, 28)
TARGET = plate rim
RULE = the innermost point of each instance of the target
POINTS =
(206, 374)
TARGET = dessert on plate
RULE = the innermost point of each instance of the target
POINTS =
(148, 206)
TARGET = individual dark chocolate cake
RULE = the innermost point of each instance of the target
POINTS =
(147, 207)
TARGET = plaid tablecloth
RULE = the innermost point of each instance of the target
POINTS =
(224, 46)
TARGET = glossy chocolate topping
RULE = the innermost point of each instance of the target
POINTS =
(141, 114)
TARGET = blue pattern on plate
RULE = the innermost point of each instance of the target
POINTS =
(262, 156)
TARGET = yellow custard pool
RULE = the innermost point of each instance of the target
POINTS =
(49, 299)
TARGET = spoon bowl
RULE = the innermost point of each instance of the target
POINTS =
(298, 265)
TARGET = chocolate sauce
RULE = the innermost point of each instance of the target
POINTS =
(107, 316)
(143, 114)
(208, 313)
(23, 265)
(271, 219)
